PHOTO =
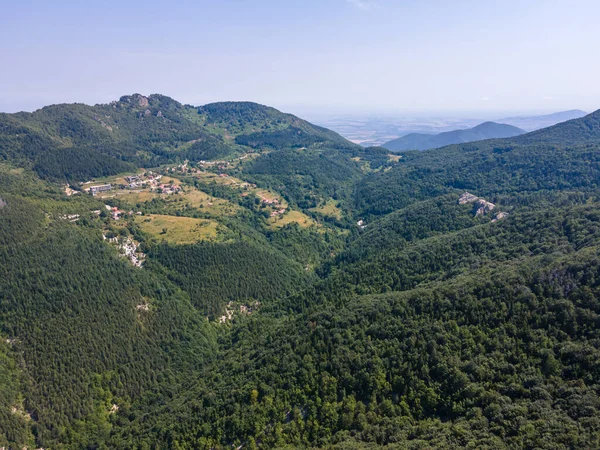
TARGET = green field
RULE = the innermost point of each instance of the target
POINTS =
(178, 230)
(290, 217)
(329, 208)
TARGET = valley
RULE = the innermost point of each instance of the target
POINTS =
(231, 276)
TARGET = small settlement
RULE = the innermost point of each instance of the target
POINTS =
(147, 179)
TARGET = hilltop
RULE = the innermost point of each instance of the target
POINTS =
(419, 141)
(258, 125)
(79, 141)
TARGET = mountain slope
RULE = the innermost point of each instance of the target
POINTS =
(78, 142)
(532, 123)
(585, 130)
(258, 125)
(561, 157)
(410, 319)
(486, 130)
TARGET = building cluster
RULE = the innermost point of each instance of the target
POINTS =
(268, 201)
(133, 182)
(116, 213)
(278, 212)
(183, 168)
(169, 188)
(146, 179)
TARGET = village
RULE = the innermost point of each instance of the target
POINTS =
(179, 189)
(266, 198)
(145, 179)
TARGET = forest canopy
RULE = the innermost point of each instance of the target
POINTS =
(250, 280)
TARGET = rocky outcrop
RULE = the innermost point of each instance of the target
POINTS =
(481, 205)
(140, 100)
(501, 215)
(136, 101)
(2, 203)
(467, 198)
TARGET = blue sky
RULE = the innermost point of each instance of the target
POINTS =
(339, 55)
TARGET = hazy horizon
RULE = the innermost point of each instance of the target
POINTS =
(321, 112)
(466, 58)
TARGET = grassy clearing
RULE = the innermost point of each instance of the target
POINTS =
(364, 165)
(178, 230)
(244, 187)
(212, 205)
(130, 196)
(190, 196)
(329, 209)
(226, 181)
(267, 195)
(290, 217)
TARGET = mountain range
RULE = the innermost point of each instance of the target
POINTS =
(532, 123)
(231, 276)
(420, 141)
(377, 129)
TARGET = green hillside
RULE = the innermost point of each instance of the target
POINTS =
(257, 125)
(420, 141)
(557, 161)
(78, 142)
(264, 283)
(585, 130)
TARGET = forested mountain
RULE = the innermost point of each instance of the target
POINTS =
(280, 287)
(78, 141)
(262, 126)
(419, 141)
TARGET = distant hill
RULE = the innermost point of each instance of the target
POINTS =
(532, 123)
(258, 125)
(419, 141)
(77, 142)
(580, 131)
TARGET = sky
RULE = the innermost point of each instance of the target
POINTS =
(358, 56)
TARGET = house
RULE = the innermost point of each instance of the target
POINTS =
(94, 190)
(132, 179)
(278, 212)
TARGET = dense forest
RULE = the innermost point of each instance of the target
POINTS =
(344, 297)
